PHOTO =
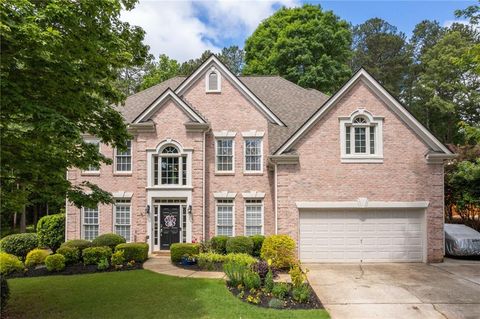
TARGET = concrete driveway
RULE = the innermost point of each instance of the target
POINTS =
(448, 290)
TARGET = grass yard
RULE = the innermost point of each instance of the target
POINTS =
(133, 294)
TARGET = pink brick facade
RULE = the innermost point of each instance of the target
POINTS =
(403, 176)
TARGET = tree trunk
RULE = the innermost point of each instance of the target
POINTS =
(23, 220)
(14, 220)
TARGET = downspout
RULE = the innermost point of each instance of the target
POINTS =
(203, 186)
(276, 199)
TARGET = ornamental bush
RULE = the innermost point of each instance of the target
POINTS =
(210, 261)
(81, 244)
(242, 259)
(51, 231)
(239, 244)
(219, 244)
(179, 249)
(72, 254)
(4, 291)
(235, 273)
(251, 280)
(19, 244)
(280, 290)
(9, 263)
(301, 293)
(93, 255)
(55, 262)
(110, 240)
(257, 244)
(134, 251)
(36, 257)
(280, 249)
(117, 258)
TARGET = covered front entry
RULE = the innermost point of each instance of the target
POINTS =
(169, 223)
(362, 235)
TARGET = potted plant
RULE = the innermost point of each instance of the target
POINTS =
(188, 260)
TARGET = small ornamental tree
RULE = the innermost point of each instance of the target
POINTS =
(51, 231)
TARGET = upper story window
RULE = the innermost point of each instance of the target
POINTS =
(361, 137)
(93, 168)
(213, 80)
(224, 159)
(253, 155)
(123, 160)
(170, 167)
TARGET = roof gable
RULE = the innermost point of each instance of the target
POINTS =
(384, 95)
(226, 73)
(168, 94)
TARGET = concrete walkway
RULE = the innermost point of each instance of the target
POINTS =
(163, 265)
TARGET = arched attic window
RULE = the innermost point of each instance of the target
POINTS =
(213, 80)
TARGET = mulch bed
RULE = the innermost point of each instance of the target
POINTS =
(289, 303)
(193, 267)
(71, 270)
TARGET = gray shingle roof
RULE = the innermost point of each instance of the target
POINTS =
(290, 102)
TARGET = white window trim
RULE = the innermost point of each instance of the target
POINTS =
(93, 140)
(245, 215)
(253, 133)
(82, 216)
(114, 215)
(181, 153)
(117, 172)
(245, 172)
(207, 81)
(376, 121)
(232, 171)
(233, 213)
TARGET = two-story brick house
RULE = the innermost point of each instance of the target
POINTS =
(351, 177)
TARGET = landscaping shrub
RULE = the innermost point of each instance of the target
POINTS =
(180, 249)
(261, 268)
(205, 246)
(297, 275)
(301, 293)
(275, 303)
(269, 281)
(117, 258)
(235, 273)
(239, 244)
(19, 244)
(103, 264)
(81, 244)
(9, 263)
(72, 254)
(51, 231)
(55, 262)
(110, 240)
(280, 249)
(210, 261)
(36, 257)
(4, 291)
(280, 290)
(219, 244)
(243, 259)
(93, 255)
(251, 280)
(134, 251)
(257, 244)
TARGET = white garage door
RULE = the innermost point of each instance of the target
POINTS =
(361, 236)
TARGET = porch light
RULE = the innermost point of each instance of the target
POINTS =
(190, 209)
(147, 209)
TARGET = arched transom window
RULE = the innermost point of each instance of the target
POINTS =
(361, 136)
(213, 80)
(170, 167)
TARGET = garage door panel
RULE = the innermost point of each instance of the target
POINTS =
(354, 235)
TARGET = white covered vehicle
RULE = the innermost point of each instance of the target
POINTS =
(461, 240)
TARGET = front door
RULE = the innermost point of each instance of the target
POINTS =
(169, 226)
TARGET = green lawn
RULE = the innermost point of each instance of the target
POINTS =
(133, 294)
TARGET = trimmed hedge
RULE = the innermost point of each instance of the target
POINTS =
(4, 291)
(239, 245)
(280, 249)
(55, 262)
(51, 231)
(93, 255)
(36, 257)
(134, 251)
(19, 244)
(219, 244)
(179, 249)
(257, 244)
(241, 259)
(81, 244)
(110, 240)
(9, 263)
(72, 254)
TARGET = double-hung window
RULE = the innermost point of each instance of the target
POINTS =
(122, 218)
(224, 151)
(123, 159)
(90, 223)
(93, 168)
(225, 217)
(170, 167)
(253, 217)
(253, 155)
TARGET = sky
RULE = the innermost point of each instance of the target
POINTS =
(184, 29)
